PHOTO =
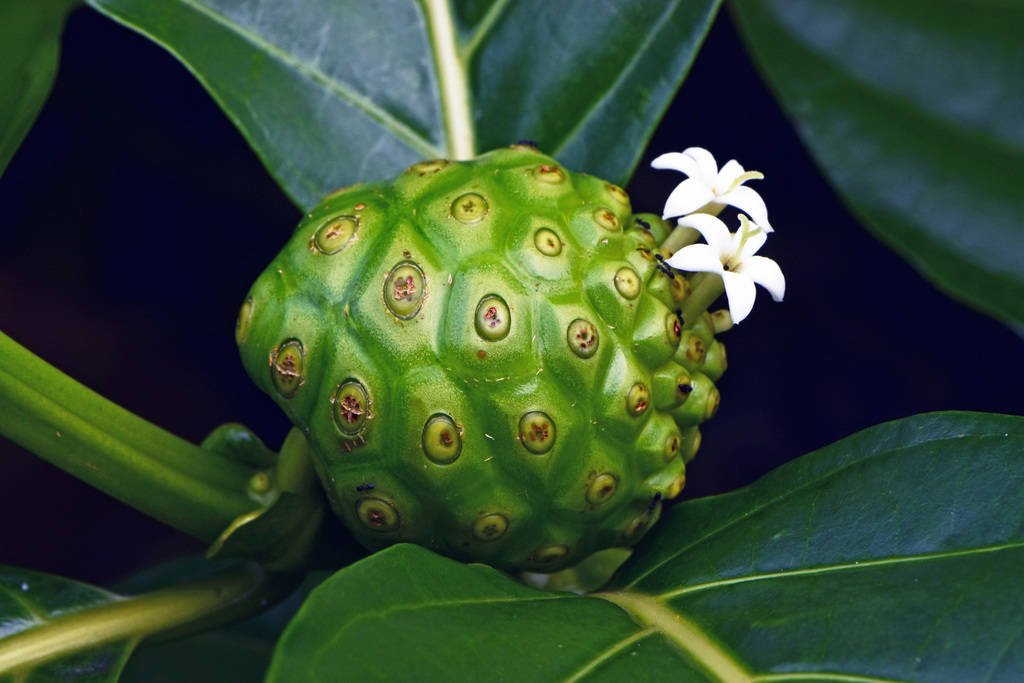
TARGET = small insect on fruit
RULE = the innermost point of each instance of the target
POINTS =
(493, 345)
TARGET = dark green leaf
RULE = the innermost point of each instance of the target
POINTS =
(29, 45)
(913, 111)
(29, 600)
(238, 652)
(339, 93)
(892, 554)
(408, 614)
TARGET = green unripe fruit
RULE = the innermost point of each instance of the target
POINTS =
(487, 359)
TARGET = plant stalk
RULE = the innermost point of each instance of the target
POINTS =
(76, 429)
(197, 604)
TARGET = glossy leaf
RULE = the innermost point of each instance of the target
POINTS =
(29, 47)
(893, 554)
(236, 652)
(331, 93)
(29, 600)
(913, 111)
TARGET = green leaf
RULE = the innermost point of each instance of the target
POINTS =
(29, 600)
(56, 629)
(29, 46)
(913, 111)
(332, 93)
(407, 613)
(893, 554)
(236, 652)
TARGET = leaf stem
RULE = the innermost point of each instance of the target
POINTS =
(76, 429)
(216, 599)
(452, 80)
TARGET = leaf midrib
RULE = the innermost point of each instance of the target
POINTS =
(839, 567)
(397, 127)
(790, 492)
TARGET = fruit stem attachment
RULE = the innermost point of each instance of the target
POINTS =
(96, 440)
(707, 287)
(196, 605)
(682, 236)
(452, 80)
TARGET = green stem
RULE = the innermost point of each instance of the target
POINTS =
(706, 290)
(452, 80)
(194, 605)
(76, 429)
(680, 237)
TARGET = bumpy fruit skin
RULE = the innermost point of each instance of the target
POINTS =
(487, 360)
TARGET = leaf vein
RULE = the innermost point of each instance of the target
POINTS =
(610, 652)
(366, 105)
(783, 496)
(846, 566)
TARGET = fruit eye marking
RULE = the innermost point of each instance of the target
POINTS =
(351, 407)
(672, 445)
(549, 174)
(537, 432)
(673, 328)
(547, 242)
(549, 554)
(627, 282)
(365, 487)
(442, 441)
(470, 208)
(582, 338)
(638, 399)
(404, 289)
(286, 367)
(243, 321)
(335, 234)
(606, 219)
(490, 527)
(601, 489)
(377, 514)
(654, 501)
(643, 224)
(492, 318)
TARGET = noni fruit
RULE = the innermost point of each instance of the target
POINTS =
(487, 358)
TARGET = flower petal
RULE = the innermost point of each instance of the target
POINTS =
(729, 173)
(741, 293)
(749, 201)
(689, 195)
(751, 246)
(677, 161)
(766, 273)
(712, 228)
(696, 258)
(705, 163)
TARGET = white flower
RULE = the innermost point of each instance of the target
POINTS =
(708, 189)
(731, 255)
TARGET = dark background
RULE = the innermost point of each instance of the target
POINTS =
(135, 217)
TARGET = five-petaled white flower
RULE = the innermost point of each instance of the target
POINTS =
(731, 255)
(708, 189)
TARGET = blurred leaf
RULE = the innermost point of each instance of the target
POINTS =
(331, 93)
(31, 600)
(913, 110)
(894, 554)
(29, 47)
(237, 652)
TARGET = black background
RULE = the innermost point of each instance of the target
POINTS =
(135, 217)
